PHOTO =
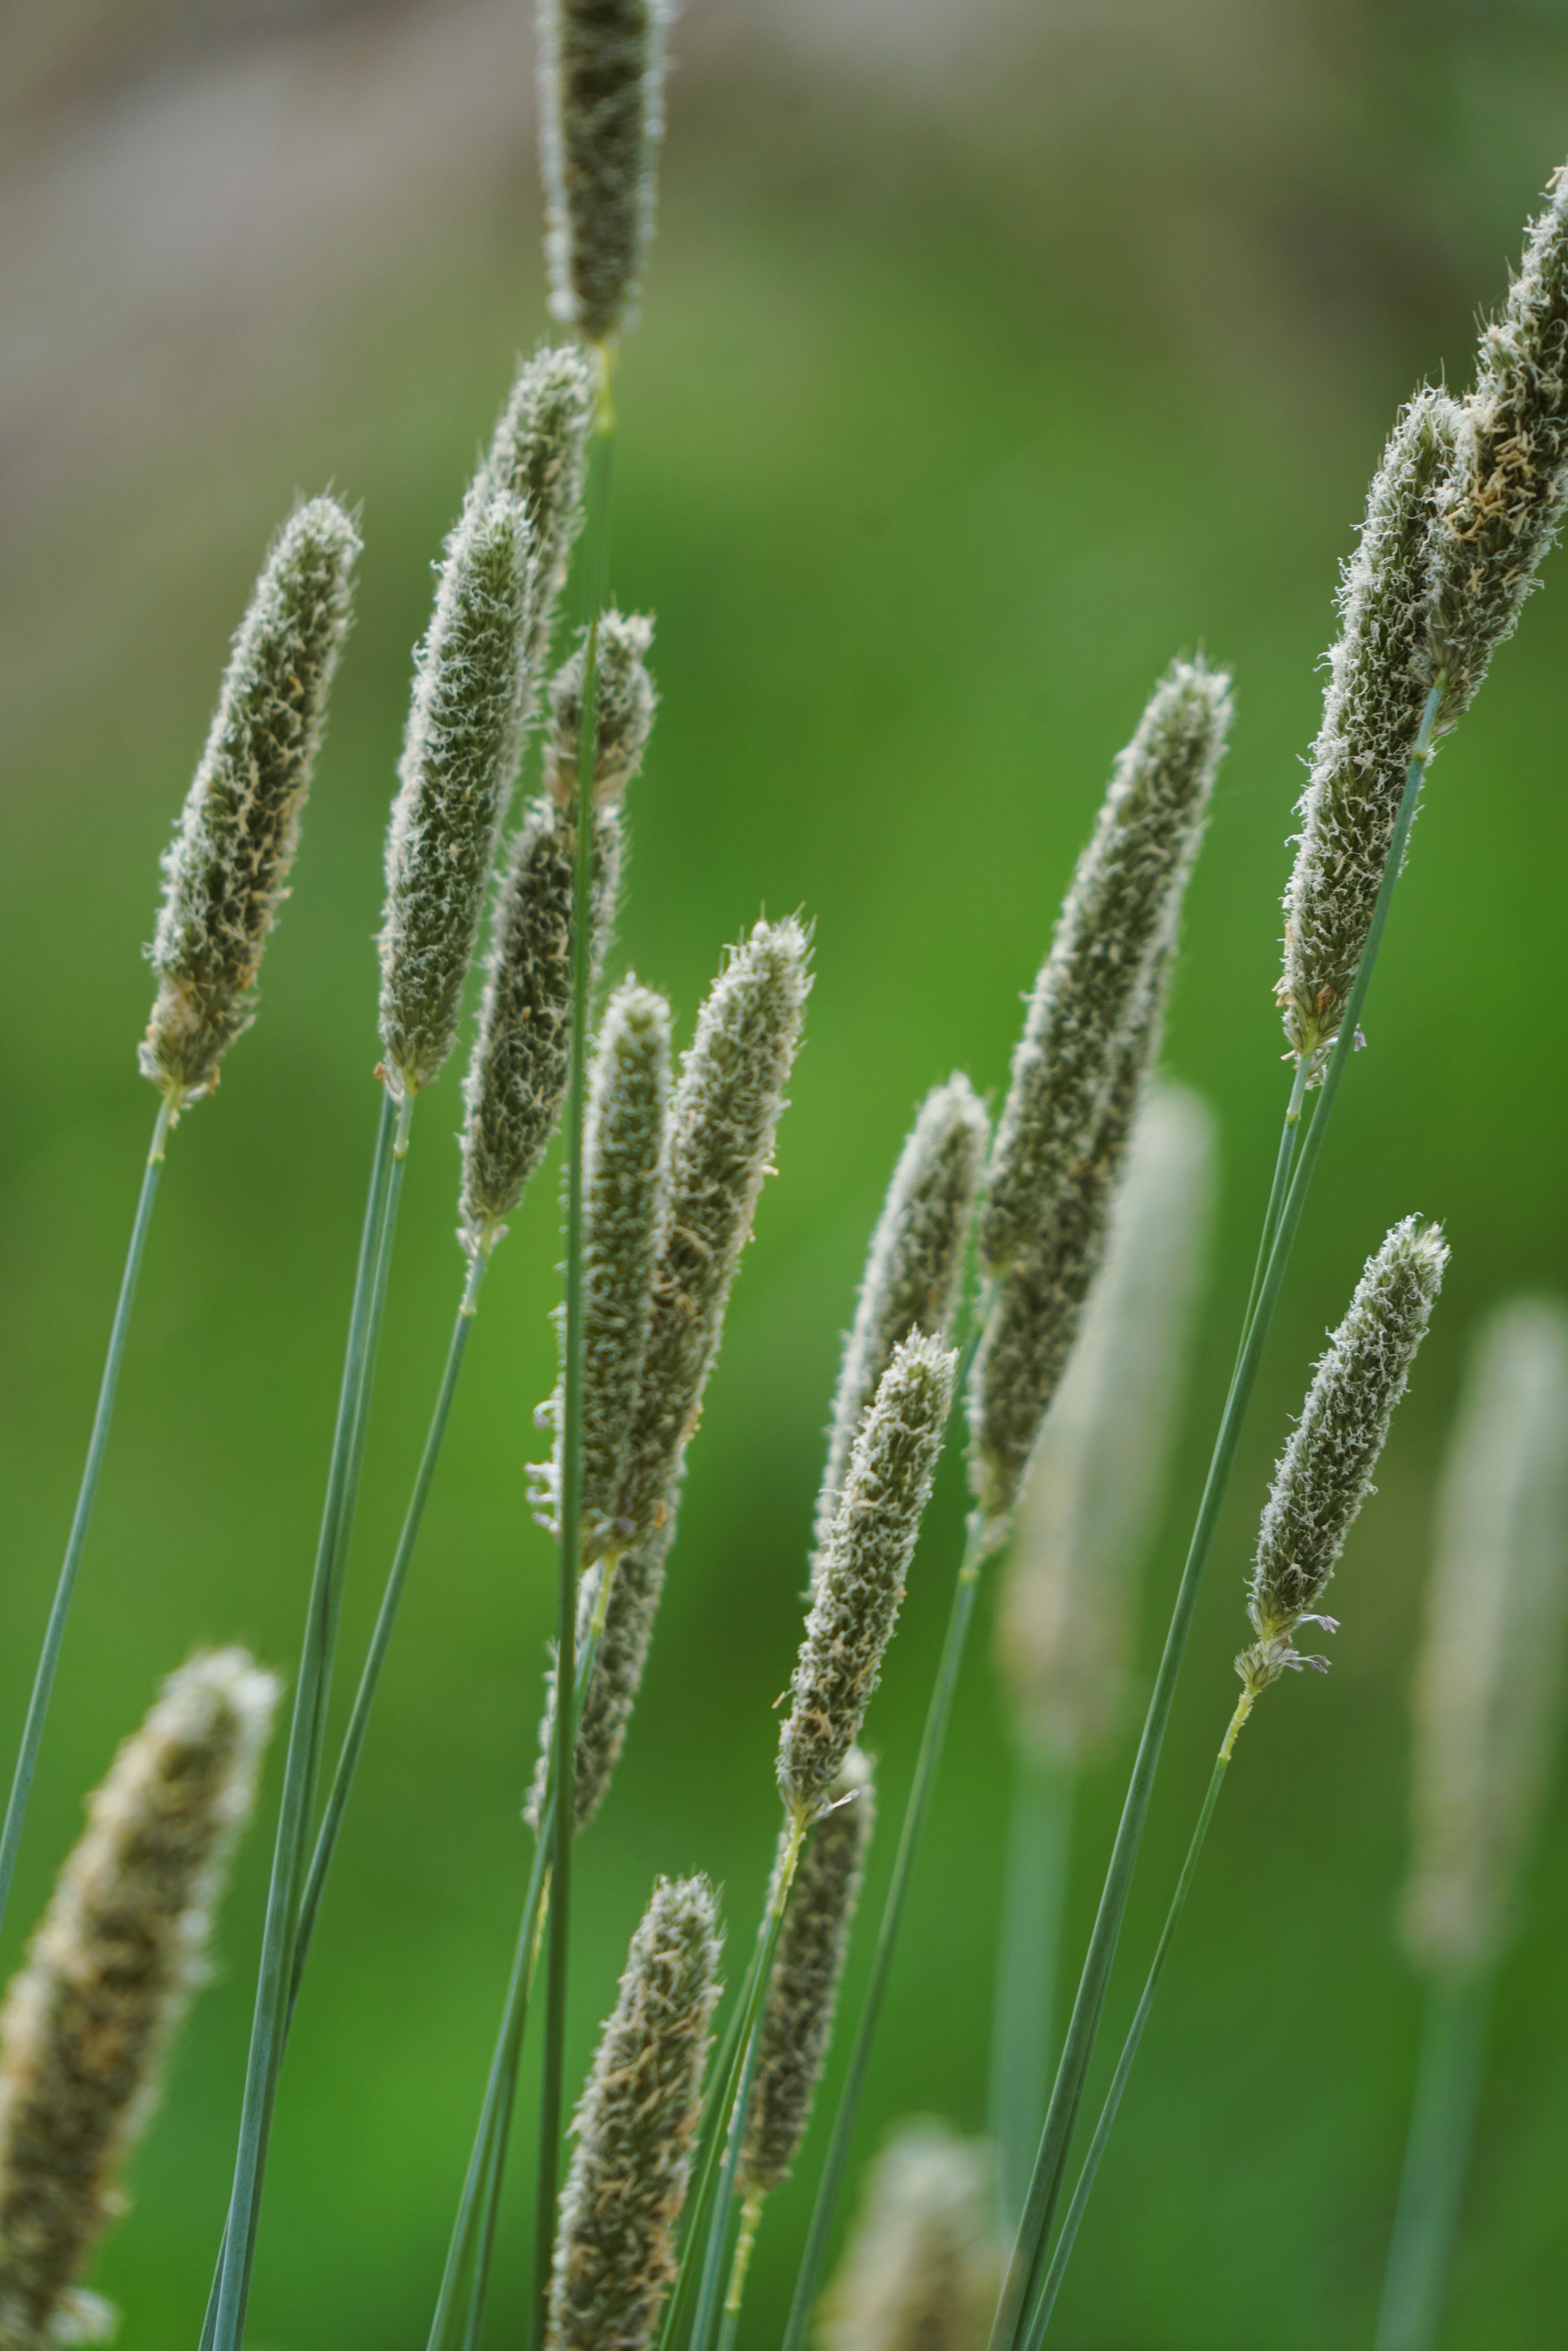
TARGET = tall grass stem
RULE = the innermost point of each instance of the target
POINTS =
(1067, 2096)
(1453, 2045)
(87, 1494)
(1039, 1841)
(571, 1505)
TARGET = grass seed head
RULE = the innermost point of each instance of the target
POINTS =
(923, 2265)
(804, 1988)
(862, 1570)
(915, 1267)
(625, 718)
(1118, 918)
(634, 2126)
(540, 453)
(635, 1590)
(1488, 1677)
(227, 869)
(601, 100)
(1324, 1474)
(1093, 1487)
(456, 778)
(111, 1972)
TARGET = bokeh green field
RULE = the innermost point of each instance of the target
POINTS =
(938, 440)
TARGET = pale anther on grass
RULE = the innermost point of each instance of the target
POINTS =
(634, 2129)
(227, 869)
(111, 1972)
(601, 93)
(921, 2269)
(1325, 1472)
(862, 1570)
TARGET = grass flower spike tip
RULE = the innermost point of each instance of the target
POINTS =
(804, 1988)
(1093, 1487)
(517, 1077)
(1380, 673)
(1489, 1677)
(459, 765)
(862, 1572)
(1117, 920)
(1324, 1474)
(227, 868)
(624, 718)
(916, 1265)
(602, 90)
(109, 1972)
(634, 2127)
(921, 2268)
(539, 454)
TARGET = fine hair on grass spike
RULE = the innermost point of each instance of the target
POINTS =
(1117, 920)
(1325, 1472)
(916, 1265)
(625, 713)
(804, 1988)
(540, 453)
(602, 116)
(862, 1571)
(1489, 1674)
(634, 2129)
(109, 1972)
(921, 2268)
(459, 764)
(227, 869)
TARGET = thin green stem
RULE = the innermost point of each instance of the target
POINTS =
(1279, 1191)
(750, 2221)
(1039, 1837)
(1040, 2319)
(1067, 2096)
(87, 1494)
(571, 1497)
(302, 1765)
(931, 1740)
(1436, 2153)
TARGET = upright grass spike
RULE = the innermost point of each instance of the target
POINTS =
(1065, 1617)
(227, 867)
(1114, 927)
(1380, 673)
(458, 768)
(1320, 1484)
(1505, 498)
(634, 2127)
(87, 2023)
(602, 102)
(540, 453)
(920, 2271)
(861, 1575)
(914, 1269)
(225, 873)
(1487, 1694)
(517, 1077)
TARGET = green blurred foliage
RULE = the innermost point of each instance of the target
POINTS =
(947, 425)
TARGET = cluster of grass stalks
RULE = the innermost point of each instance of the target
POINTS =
(1029, 1287)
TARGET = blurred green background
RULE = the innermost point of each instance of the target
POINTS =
(992, 354)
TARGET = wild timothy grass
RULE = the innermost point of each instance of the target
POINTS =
(227, 868)
(920, 2273)
(634, 2127)
(601, 77)
(111, 1972)
(540, 453)
(862, 1570)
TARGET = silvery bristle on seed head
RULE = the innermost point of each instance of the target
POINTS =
(456, 778)
(1125, 896)
(1093, 1488)
(625, 714)
(728, 1102)
(1037, 1307)
(625, 1219)
(227, 869)
(109, 1972)
(1324, 1474)
(540, 453)
(1489, 1673)
(804, 1988)
(517, 1076)
(1381, 671)
(922, 2265)
(1505, 498)
(602, 99)
(634, 2129)
(862, 1571)
(916, 1265)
